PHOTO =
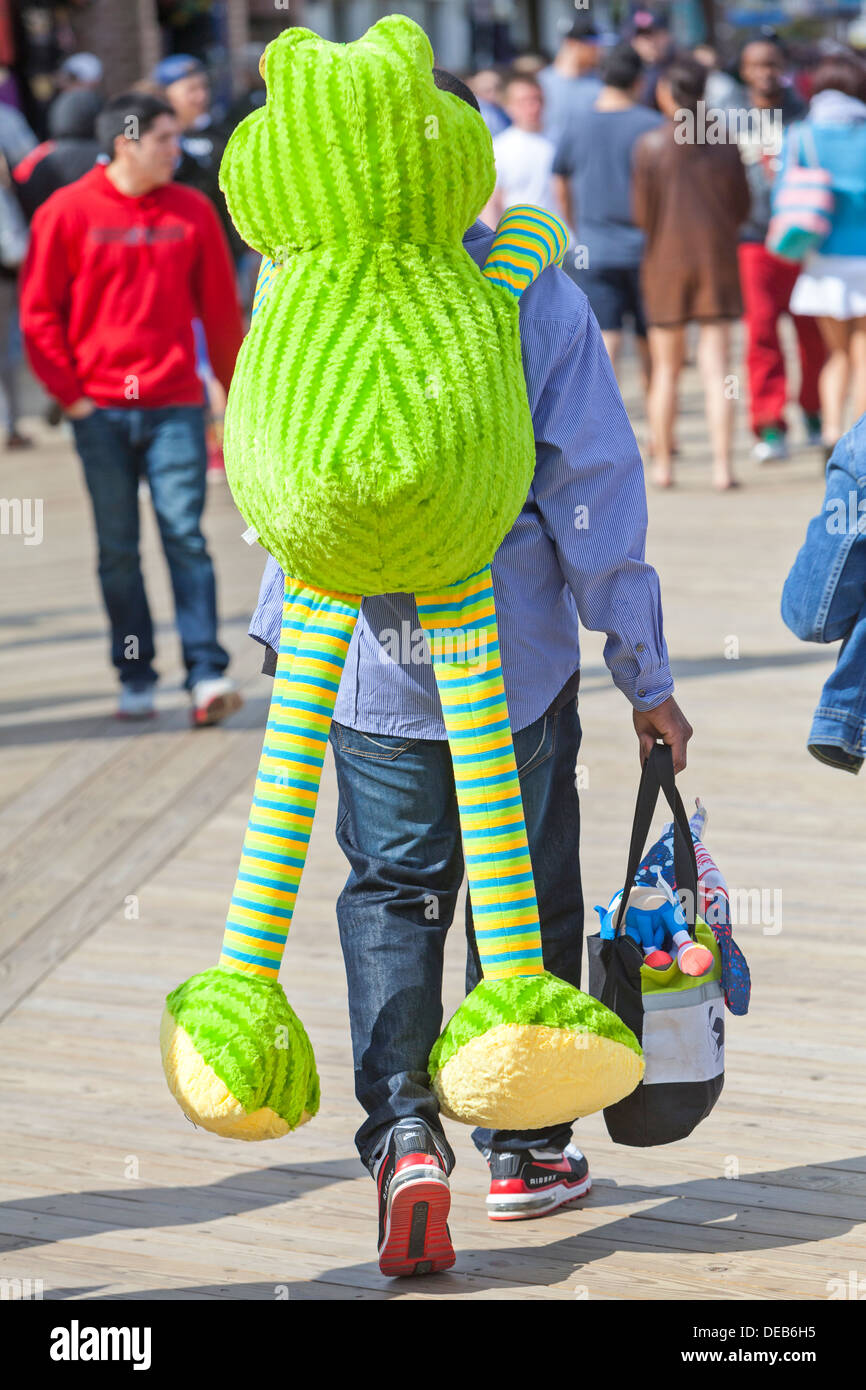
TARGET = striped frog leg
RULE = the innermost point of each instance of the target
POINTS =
(460, 625)
(316, 631)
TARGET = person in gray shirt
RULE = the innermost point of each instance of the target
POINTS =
(592, 171)
(571, 83)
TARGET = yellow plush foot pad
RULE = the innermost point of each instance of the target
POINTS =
(204, 1098)
(532, 1051)
(531, 1076)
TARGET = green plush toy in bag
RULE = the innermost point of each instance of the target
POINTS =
(378, 437)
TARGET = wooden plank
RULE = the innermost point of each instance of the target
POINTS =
(34, 955)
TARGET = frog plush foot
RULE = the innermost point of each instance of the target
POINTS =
(532, 1051)
(236, 1057)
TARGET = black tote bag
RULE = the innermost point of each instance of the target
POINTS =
(677, 1019)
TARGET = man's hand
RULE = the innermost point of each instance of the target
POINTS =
(668, 723)
(80, 409)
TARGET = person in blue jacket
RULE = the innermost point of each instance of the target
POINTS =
(832, 285)
(824, 600)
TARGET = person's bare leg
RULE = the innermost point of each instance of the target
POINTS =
(612, 339)
(644, 363)
(713, 350)
(666, 351)
(833, 381)
(645, 369)
(857, 360)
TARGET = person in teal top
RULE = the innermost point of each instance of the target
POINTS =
(832, 284)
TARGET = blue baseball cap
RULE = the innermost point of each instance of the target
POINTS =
(582, 30)
(176, 66)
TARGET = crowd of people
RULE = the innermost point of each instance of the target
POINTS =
(666, 168)
(664, 164)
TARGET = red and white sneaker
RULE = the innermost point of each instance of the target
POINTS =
(414, 1201)
(214, 700)
(525, 1184)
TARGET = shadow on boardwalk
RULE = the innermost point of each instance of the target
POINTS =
(175, 719)
(726, 1227)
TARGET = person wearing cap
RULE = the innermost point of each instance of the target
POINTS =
(186, 87)
(652, 42)
(571, 84)
(80, 70)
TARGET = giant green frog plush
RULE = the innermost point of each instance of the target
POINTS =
(378, 438)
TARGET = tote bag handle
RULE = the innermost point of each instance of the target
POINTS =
(658, 775)
(808, 147)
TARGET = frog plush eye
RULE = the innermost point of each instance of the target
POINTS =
(289, 38)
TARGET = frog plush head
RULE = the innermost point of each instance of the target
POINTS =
(377, 435)
(356, 143)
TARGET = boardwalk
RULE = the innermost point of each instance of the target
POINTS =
(119, 848)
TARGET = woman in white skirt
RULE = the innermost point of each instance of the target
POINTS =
(832, 285)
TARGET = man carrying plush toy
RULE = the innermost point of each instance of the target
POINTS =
(576, 552)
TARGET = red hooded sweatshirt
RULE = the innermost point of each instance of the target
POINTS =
(110, 288)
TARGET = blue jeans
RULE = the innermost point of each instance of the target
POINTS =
(824, 598)
(398, 825)
(167, 446)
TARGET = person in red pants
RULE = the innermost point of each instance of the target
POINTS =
(765, 280)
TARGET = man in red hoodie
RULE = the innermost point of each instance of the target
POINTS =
(120, 263)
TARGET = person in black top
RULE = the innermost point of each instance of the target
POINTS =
(186, 87)
(70, 151)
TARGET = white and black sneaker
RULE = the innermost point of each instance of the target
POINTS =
(414, 1201)
(525, 1184)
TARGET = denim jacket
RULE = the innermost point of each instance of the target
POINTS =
(824, 598)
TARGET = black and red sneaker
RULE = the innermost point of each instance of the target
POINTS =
(414, 1201)
(525, 1184)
